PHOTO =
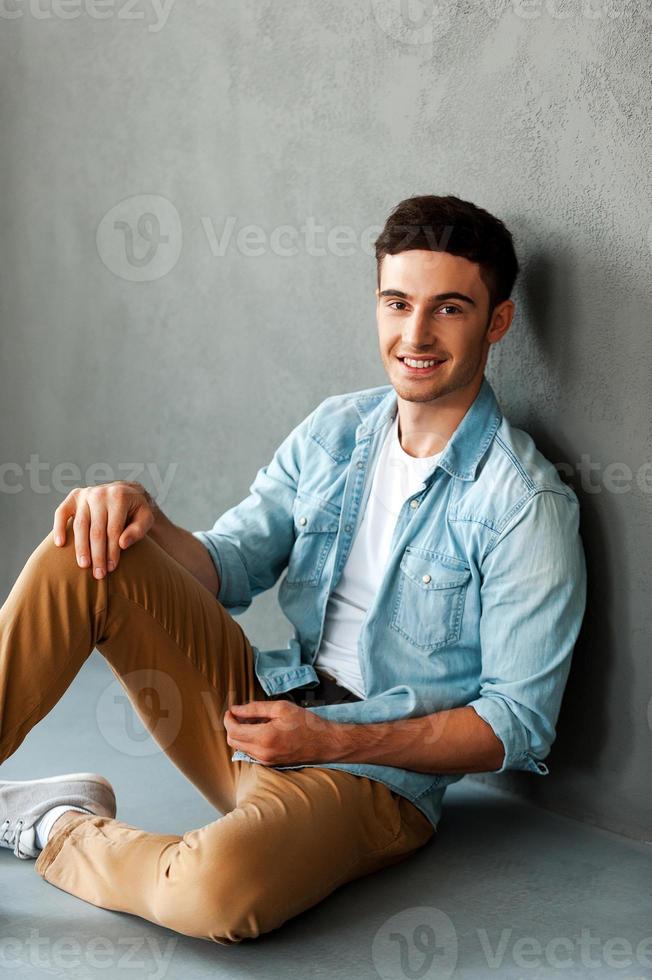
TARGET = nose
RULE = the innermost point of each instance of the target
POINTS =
(418, 330)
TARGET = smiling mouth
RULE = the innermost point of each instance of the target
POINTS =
(430, 365)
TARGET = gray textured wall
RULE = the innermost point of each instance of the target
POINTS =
(212, 117)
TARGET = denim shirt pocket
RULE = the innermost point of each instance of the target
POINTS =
(315, 527)
(430, 598)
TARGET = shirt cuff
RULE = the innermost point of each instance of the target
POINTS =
(235, 590)
(496, 712)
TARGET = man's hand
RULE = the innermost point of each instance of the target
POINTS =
(456, 740)
(106, 519)
(280, 733)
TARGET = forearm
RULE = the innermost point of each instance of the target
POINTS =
(456, 740)
(186, 548)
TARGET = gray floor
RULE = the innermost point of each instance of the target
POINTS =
(504, 891)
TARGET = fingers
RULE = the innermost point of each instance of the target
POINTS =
(137, 528)
(285, 717)
(255, 718)
(62, 515)
(97, 534)
(256, 709)
(81, 526)
(272, 732)
(244, 735)
(106, 519)
(240, 726)
(117, 515)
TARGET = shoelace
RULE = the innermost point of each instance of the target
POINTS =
(11, 835)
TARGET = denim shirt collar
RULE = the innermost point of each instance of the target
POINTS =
(468, 443)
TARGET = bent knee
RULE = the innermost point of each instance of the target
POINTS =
(211, 913)
(220, 900)
(59, 559)
(63, 559)
(225, 909)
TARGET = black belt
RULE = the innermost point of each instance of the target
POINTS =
(328, 691)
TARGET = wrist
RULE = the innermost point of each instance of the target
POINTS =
(336, 746)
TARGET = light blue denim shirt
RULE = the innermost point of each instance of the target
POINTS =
(480, 603)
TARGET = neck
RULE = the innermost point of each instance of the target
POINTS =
(424, 428)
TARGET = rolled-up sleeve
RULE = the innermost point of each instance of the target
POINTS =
(533, 596)
(250, 544)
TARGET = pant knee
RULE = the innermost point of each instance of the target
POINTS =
(49, 563)
(62, 559)
(209, 913)
(219, 901)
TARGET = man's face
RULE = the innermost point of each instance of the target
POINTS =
(433, 305)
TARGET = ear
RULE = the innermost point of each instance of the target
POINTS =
(501, 320)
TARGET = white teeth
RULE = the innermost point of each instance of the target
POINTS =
(418, 364)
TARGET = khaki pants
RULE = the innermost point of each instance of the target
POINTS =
(287, 838)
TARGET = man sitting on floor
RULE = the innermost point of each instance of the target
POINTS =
(435, 579)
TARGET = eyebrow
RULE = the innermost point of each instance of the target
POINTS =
(437, 298)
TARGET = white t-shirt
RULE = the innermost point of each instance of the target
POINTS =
(397, 476)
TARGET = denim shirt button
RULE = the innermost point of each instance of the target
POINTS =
(414, 504)
(303, 520)
(426, 579)
(347, 527)
(359, 464)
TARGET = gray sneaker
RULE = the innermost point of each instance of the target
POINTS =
(23, 803)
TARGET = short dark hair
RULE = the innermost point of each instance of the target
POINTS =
(449, 224)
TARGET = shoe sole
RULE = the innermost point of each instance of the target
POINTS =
(89, 777)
